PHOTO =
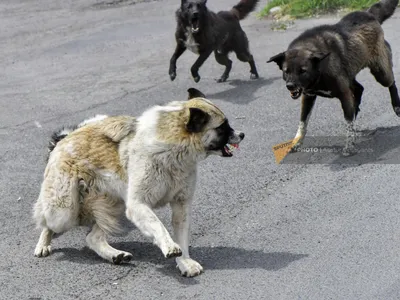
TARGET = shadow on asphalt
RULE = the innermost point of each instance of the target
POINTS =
(211, 258)
(378, 146)
(242, 91)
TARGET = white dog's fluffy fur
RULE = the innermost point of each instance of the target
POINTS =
(109, 166)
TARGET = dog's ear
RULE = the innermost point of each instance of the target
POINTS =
(278, 59)
(195, 93)
(319, 56)
(197, 120)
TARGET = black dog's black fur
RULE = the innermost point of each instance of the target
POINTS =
(203, 31)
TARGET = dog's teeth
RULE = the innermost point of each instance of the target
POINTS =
(227, 149)
(231, 147)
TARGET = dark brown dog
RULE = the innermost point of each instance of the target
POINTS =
(324, 61)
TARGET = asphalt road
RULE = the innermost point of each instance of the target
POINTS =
(260, 230)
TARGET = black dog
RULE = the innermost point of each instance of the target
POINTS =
(203, 31)
(324, 61)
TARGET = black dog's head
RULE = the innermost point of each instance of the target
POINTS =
(194, 13)
(301, 69)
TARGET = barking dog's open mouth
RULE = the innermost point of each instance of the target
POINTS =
(195, 24)
(295, 94)
(228, 149)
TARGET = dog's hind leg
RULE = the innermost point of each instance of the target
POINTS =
(56, 209)
(222, 59)
(106, 212)
(243, 53)
(394, 95)
(307, 104)
(382, 69)
(348, 102)
(198, 63)
(358, 90)
(248, 57)
(96, 240)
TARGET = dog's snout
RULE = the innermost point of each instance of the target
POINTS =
(290, 86)
(236, 137)
(195, 14)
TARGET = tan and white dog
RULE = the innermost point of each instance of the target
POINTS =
(109, 166)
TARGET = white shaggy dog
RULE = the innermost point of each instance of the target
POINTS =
(109, 166)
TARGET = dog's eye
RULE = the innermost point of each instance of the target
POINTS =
(224, 127)
(220, 129)
(302, 71)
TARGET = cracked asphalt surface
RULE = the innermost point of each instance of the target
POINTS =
(260, 230)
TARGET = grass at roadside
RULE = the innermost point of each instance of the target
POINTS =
(308, 8)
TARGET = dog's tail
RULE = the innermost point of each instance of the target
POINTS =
(383, 10)
(243, 8)
(58, 136)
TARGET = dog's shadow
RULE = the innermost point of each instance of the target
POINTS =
(211, 258)
(242, 91)
(378, 146)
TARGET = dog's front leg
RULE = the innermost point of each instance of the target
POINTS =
(148, 223)
(349, 110)
(172, 64)
(198, 63)
(307, 104)
(181, 224)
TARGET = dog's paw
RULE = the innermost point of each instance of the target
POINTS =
(42, 251)
(349, 151)
(189, 267)
(295, 148)
(196, 78)
(254, 76)
(222, 79)
(172, 76)
(397, 111)
(122, 257)
(173, 251)
(297, 143)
